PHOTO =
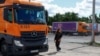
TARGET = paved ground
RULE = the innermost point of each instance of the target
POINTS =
(71, 46)
(72, 49)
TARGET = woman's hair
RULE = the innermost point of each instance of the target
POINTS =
(57, 30)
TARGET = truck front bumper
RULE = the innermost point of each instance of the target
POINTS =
(29, 50)
(29, 47)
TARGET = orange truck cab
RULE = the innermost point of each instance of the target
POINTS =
(83, 28)
(23, 27)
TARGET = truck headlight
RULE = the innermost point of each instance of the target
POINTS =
(18, 43)
(46, 41)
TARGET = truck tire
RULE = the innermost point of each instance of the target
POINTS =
(4, 49)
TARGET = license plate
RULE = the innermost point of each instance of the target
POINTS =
(33, 51)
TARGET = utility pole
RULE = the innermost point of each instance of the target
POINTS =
(93, 22)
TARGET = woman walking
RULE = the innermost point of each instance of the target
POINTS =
(57, 39)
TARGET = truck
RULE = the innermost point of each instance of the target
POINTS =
(71, 27)
(23, 27)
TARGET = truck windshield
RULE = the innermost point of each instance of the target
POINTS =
(86, 27)
(30, 16)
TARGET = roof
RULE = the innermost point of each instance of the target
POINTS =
(34, 3)
(10, 2)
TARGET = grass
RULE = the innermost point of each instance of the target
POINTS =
(94, 44)
(88, 43)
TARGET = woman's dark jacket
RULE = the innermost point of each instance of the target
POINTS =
(58, 35)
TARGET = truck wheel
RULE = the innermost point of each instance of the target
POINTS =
(4, 49)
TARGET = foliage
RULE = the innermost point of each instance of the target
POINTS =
(71, 16)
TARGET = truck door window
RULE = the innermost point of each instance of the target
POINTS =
(2, 1)
(8, 15)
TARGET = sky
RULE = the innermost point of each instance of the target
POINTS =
(82, 7)
(66, 3)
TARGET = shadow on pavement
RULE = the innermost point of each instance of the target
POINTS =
(52, 53)
(32, 55)
(37, 55)
(77, 48)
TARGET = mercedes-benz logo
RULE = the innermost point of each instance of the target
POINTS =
(34, 34)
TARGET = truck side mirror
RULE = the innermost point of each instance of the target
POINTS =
(46, 15)
(2, 1)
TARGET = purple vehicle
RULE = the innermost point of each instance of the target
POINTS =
(81, 28)
(65, 26)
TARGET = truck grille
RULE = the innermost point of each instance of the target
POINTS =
(28, 36)
(33, 48)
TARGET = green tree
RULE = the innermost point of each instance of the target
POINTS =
(70, 16)
(58, 17)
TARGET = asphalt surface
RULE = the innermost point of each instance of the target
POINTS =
(72, 46)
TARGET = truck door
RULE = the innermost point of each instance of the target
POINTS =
(7, 18)
(1, 26)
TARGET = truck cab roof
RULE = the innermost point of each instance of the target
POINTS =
(26, 2)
